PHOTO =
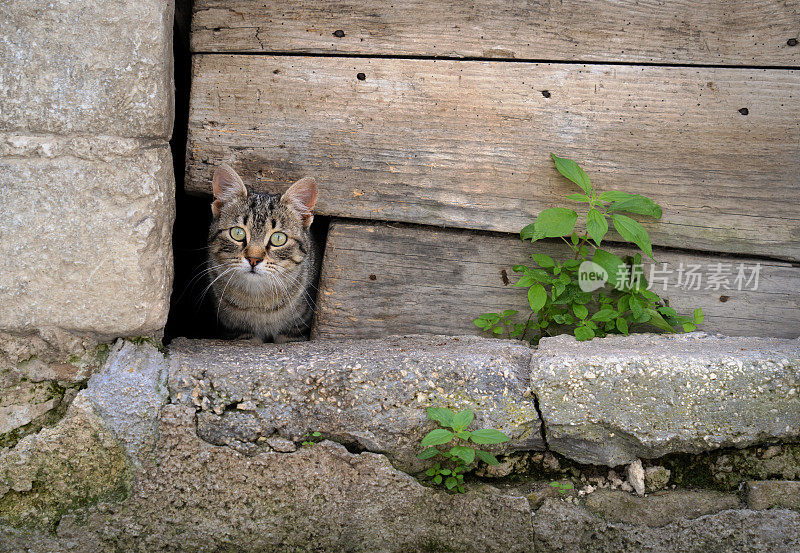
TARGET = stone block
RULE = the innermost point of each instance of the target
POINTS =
(86, 243)
(92, 67)
(611, 400)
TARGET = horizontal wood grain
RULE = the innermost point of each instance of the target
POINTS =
(716, 32)
(466, 143)
(381, 279)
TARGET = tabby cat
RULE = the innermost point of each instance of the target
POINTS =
(262, 258)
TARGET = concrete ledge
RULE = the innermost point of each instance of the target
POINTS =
(368, 393)
(612, 400)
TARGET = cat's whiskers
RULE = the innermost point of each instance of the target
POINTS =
(306, 296)
(222, 294)
(207, 288)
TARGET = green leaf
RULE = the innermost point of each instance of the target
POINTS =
(573, 172)
(537, 297)
(697, 316)
(622, 326)
(519, 268)
(442, 415)
(489, 436)
(637, 204)
(450, 483)
(445, 472)
(543, 260)
(604, 315)
(509, 313)
(632, 231)
(580, 311)
(658, 321)
(462, 419)
(528, 232)
(438, 479)
(487, 457)
(438, 436)
(578, 197)
(635, 305)
(551, 223)
(466, 454)
(428, 454)
(497, 330)
(689, 327)
(596, 225)
(610, 263)
(614, 196)
(464, 434)
(668, 311)
(583, 333)
(431, 472)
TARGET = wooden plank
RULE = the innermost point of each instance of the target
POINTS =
(711, 32)
(395, 279)
(465, 144)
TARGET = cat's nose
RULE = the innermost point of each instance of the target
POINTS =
(254, 260)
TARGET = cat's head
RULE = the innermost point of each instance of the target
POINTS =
(255, 235)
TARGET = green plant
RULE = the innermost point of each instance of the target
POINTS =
(562, 487)
(310, 438)
(620, 298)
(460, 457)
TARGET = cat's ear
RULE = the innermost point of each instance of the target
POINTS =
(227, 187)
(301, 197)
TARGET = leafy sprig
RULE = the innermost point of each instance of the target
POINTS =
(460, 456)
(554, 292)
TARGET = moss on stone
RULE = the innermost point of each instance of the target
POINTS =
(74, 464)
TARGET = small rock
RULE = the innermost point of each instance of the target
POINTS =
(656, 478)
(625, 487)
(550, 462)
(636, 476)
(281, 444)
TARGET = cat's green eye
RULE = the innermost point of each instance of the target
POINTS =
(277, 239)
(238, 234)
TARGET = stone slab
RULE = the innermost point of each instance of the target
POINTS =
(86, 244)
(611, 400)
(370, 394)
(96, 66)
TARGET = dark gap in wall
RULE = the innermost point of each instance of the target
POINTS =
(193, 309)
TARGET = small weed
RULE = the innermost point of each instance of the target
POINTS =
(311, 438)
(458, 459)
(562, 487)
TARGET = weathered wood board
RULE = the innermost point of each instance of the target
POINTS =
(465, 143)
(381, 279)
(710, 32)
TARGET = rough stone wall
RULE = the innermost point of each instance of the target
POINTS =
(205, 450)
(86, 111)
